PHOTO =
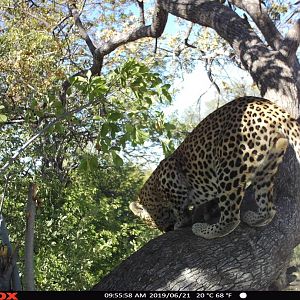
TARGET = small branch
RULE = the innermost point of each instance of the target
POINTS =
(155, 46)
(186, 40)
(47, 25)
(32, 3)
(140, 4)
(291, 42)
(82, 31)
(29, 238)
(208, 65)
(154, 30)
(60, 23)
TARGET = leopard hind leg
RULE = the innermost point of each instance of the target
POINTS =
(263, 186)
(229, 205)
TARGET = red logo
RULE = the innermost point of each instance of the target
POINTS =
(8, 296)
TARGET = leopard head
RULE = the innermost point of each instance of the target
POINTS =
(156, 218)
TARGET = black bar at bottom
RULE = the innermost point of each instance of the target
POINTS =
(90, 295)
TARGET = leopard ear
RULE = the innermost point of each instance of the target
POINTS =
(138, 209)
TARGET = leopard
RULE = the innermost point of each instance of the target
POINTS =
(240, 144)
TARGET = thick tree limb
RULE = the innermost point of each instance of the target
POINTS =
(291, 42)
(275, 79)
(247, 259)
(262, 20)
(273, 37)
(140, 4)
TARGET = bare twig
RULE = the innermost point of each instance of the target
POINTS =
(32, 3)
(60, 23)
(186, 40)
(208, 65)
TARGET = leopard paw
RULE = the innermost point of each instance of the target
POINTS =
(215, 230)
(258, 219)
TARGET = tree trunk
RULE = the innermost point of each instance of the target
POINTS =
(29, 238)
(249, 258)
(9, 271)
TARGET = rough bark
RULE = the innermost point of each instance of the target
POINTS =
(29, 239)
(248, 258)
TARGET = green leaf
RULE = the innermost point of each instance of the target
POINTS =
(129, 128)
(104, 130)
(104, 146)
(88, 163)
(115, 116)
(118, 161)
(170, 126)
(97, 118)
(3, 118)
(59, 128)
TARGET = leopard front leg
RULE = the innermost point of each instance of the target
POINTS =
(175, 187)
(184, 219)
(229, 204)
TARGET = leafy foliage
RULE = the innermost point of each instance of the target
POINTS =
(83, 230)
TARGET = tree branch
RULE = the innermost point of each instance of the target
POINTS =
(270, 32)
(291, 42)
(268, 68)
(82, 31)
(262, 20)
(154, 30)
(140, 4)
(188, 33)
(247, 259)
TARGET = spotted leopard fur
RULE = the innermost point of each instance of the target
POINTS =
(239, 144)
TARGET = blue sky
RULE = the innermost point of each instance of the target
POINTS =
(195, 84)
